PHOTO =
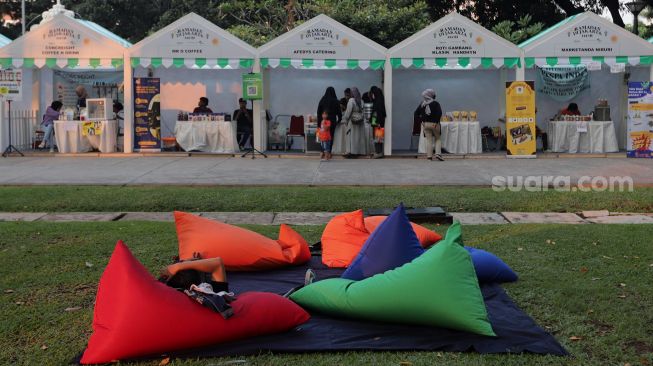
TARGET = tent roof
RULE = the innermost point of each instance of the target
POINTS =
(454, 36)
(322, 38)
(586, 34)
(192, 36)
(4, 40)
(64, 37)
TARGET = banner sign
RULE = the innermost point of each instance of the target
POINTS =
(147, 114)
(562, 83)
(11, 84)
(252, 86)
(520, 118)
(102, 84)
(640, 120)
(91, 128)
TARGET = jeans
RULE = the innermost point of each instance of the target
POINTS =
(326, 146)
(48, 132)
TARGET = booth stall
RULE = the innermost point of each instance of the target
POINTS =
(59, 56)
(189, 59)
(467, 66)
(299, 65)
(586, 60)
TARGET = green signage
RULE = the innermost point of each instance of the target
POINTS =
(252, 86)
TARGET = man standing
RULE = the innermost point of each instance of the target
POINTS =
(203, 106)
(244, 123)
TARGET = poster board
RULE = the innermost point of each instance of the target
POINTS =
(640, 120)
(520, 118)
(252, 86)
(11, 84)
(147, 114)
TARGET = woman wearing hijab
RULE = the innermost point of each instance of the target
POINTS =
(353, 127)
(429, 112)
(378, 119)
(331, 105)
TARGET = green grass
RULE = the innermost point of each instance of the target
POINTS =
(308, 199)
(571, 286)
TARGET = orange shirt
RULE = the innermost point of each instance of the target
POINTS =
(324, 133)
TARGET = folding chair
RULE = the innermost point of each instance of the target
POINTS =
(296, 130)
(417, 130)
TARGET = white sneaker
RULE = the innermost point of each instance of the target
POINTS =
(309, 277)
(42, 145)
(52, 149)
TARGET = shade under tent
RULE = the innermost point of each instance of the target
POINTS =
(299, 65)
(193, 58)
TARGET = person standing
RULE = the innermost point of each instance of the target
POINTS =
(324, 134)
(355, 141)
(430, 112)
(51, 115)
(329, 103)
(378, 119)
(203, 106)
(244, 123)
(81, 96)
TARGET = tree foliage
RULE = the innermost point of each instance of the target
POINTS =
(517, 32)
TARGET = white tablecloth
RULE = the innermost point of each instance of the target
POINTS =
(599, 138)
(70, 139)
(207, 136)
(457, 138)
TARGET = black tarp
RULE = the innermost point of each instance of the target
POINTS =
(516, 331)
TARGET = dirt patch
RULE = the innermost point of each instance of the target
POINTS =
(600, 327)
(640, 347)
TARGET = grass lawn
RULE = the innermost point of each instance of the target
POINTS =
(587, 281)
(310, 199)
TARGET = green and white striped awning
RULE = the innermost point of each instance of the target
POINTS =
(608, 60)
(193, 63)
(71, 63)
(455, 62)
(309, 63)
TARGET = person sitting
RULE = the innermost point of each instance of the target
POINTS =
(571, 110)
(51, 115)
(119, 115)
(244, 123)
(203, 106)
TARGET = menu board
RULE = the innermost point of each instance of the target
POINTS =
(640, 120)
(147, 114)
(520, 118)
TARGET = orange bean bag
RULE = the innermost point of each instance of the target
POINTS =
(240, 249)
(425, 236)
(345, 234)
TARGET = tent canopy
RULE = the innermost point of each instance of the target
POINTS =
(454, 42)
(65, 42)
(193, 42)
(586, 38)
(322, 43)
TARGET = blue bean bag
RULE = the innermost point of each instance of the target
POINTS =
(490, 268)
(393, 244)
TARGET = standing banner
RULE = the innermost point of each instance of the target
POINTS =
(147, 114)
(252, 86)
(562, 83)
(640, 120)
(11, 84)
(520, 118)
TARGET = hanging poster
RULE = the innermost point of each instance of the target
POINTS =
(640, 120)
(98, 84)
(147, 114)
(11, 84)
(520, 118)
(91, 128)
(252, 86)
(562, 83)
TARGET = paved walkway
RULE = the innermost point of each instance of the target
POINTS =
(321, 218)
(212, 170)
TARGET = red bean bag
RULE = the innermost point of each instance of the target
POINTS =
(343, 238)
(425, 236)
(135, 315)
(240, 249)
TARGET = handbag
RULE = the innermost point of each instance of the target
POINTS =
(356, 115)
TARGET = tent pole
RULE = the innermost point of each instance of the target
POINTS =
(520, 72)
(258, 110)
(128, 81)
(387, 92)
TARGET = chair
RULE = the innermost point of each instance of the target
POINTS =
(417, 129)
(296, 130)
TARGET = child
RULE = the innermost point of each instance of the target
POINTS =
(324, 134)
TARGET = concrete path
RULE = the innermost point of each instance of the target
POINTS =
(213, 170)
(321, 218)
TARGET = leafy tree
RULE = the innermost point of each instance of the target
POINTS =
(524, 30)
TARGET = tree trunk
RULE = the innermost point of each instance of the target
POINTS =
(613, 6)
(568, 7)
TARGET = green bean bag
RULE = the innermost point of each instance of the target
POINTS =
(438, 288)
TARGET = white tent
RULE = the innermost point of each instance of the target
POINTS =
(59, 42)
(194, 58)
(300, 64)
(586, 39)
(463, 62)
(4, 40)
